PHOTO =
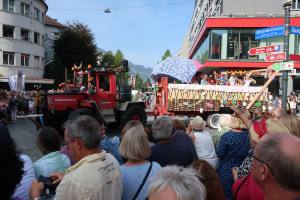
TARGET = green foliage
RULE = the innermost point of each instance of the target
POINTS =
(139, 83)
(119, 56)
(55, 70)
(76, 44)
(166, 55)
(108, 59)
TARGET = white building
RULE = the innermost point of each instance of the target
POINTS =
(52, 30)
(22, 32)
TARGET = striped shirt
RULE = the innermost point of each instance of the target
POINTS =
(52, 162)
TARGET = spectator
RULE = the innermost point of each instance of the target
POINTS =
(11, 167)
(96, 174)
(203, 141)
(136, 172)
(276, 166)
(168, 151)
(49, 143)
(292, 123)
(204, 80)
(232, 150)
(176, 183)
(178, 124)
(210, 179)
(13, 106)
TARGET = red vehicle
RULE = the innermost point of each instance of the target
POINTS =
(103, 98)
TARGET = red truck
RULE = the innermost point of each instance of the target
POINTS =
(103, 97)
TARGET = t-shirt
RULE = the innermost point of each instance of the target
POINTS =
(22, 190)
(132, 177)
(205, 148)
(50, 163)
(182, 138)
(95, 177)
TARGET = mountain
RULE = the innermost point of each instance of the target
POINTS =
(144, 72)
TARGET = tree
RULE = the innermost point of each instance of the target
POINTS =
(119, 56)
(75, 45)
(108, 59)
(166, 55)
(55, 70)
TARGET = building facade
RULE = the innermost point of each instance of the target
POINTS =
(222, 31)
(22, 32)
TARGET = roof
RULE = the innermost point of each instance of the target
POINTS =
(52, 22)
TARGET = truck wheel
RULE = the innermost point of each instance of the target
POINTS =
(213, 121)
(134, 112)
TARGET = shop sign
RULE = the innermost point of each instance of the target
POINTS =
(274, 31)
(265, 49)
(275, 57)
(295, 30)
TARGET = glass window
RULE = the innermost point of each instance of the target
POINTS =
(104, 82)
(36, 38)
(24, 34)
(233, 45)
(25, 60)
(8, 31)
(37, 14)
(216, 44)
(25, 9)
(9, 5)
(247, 41)
(202, 54)
(8, 58)
(36, 61)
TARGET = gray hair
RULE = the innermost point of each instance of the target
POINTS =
(285, 167)
(183, 181)
(86, 128)
(162, 128)
(135, 145)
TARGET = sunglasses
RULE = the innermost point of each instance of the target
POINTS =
(261, 161)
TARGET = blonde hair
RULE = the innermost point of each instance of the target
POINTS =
(134, 145)
(130, 124)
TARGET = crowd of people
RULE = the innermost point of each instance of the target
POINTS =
(256, 157)
(13, 103)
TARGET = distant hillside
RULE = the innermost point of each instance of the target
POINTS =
(143, 71)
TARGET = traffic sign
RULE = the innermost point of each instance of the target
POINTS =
(274, 31)
(284, 66)
(275, 57)
(295, 30)
(262, 50)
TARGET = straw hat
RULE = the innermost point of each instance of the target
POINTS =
(261, 127)
(227, 120)
(198, 123)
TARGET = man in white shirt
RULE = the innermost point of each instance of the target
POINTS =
(96, 174)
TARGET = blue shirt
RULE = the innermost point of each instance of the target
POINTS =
(232, 150)
(52, 162)
(132, 177)
(111, 145)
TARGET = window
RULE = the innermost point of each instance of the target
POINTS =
(8, 58)
(8, 31)
(25, 9)
(296, 4)
(36, 38)
(37, 14)
(36, 61)
(43, 17)
(24, 34)
(9, 5)
(25, 60)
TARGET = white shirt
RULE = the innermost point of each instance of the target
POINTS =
(95, 177)
(232, 81)
(205, 147)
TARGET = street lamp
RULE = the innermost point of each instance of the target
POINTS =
(287, 12)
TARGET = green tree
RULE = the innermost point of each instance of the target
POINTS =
(108, 59)
(75, 45)
(119, 56)
(166, 55)
(139, 82)
(55, 70)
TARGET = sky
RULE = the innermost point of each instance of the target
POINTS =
(142, 29)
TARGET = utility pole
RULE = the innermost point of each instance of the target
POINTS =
(287, 12)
